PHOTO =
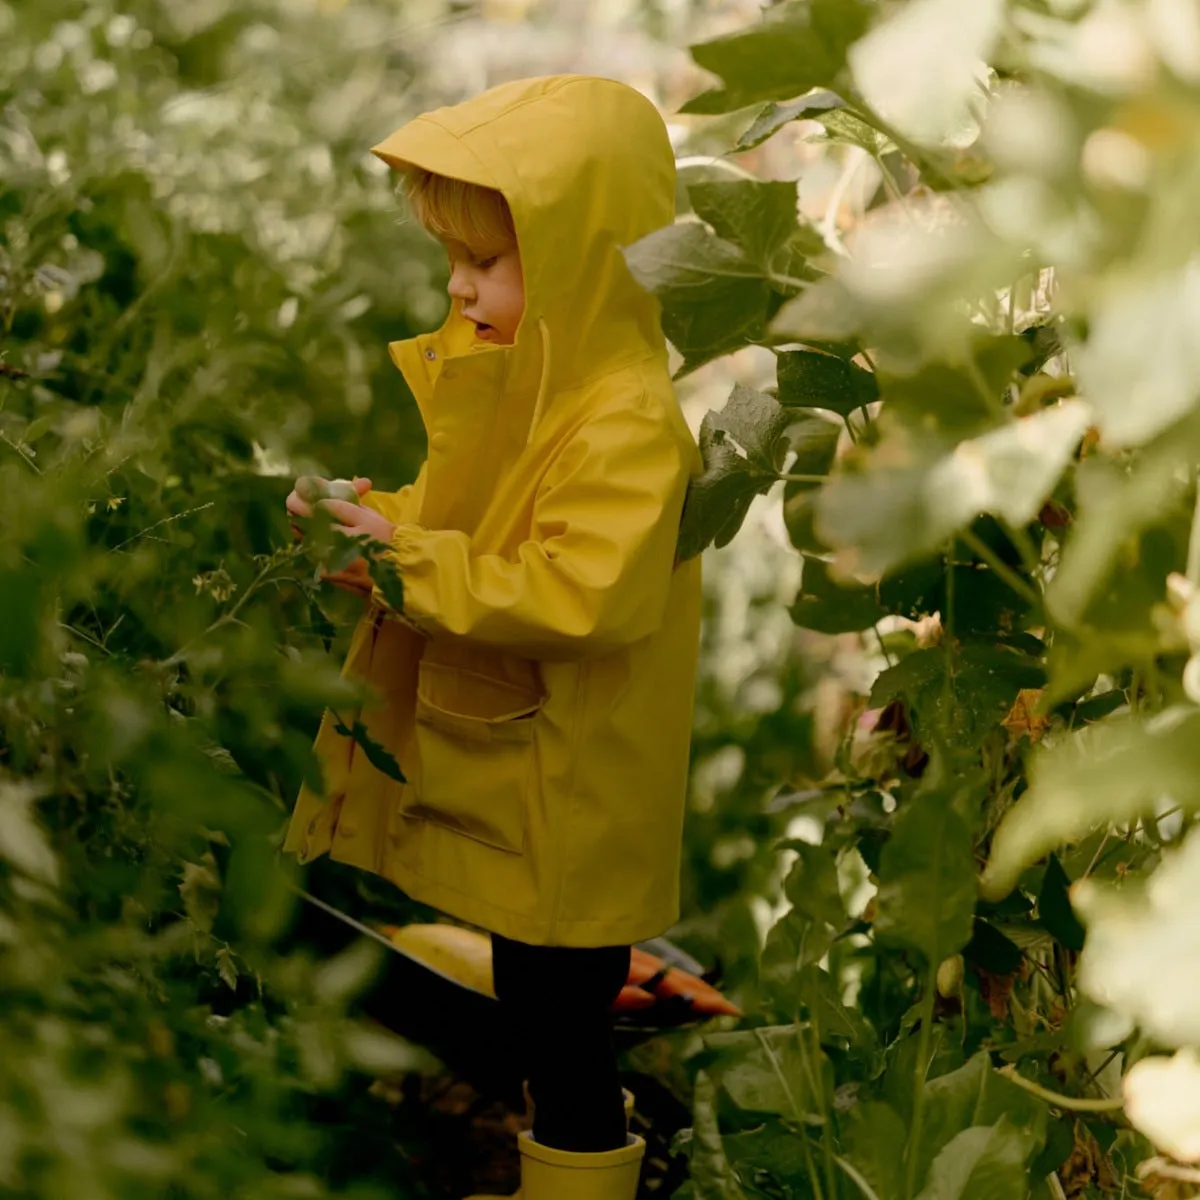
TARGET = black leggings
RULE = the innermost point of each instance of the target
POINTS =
(557, 1004)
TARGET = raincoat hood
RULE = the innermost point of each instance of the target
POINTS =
(587, 168)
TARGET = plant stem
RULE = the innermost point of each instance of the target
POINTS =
(863, 1186)
(924, 1047)
(1068, 1103)
(797, 1113)
(819, 1091)
(789, 478)
(980, 548)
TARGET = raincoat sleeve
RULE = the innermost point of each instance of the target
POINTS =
(596, 570)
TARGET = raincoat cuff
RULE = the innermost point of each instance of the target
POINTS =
(402, 544)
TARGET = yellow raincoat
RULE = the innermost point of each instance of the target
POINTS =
(538, 690)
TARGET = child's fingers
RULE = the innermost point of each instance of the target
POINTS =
(296, 506)
(362, 485)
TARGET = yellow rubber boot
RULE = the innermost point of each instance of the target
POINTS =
(523, 1192)
(548, 1174)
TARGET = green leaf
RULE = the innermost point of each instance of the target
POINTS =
(1142, 958)
(743, 447)
(759, 217)
(923, 67)
(954, 399)
(200, 890)
(1115, 506)
(1140, 365)
(714, 300)
(378, 755)
(386, 576)
(992, 950)
(889, 515)
(799, 46)
(808, 379)
(846, 128)
(763, 1069)
(1054, 907)
(712, 1176)
(982, 1163)
(927, 885)
(874, 1138)
(227, 968)
(773, 117)
(1116, 770)
(974, 1096)
(984, 683)
(827, 607)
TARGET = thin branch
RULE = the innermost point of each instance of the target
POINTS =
(1067, 1103)
(165, 520)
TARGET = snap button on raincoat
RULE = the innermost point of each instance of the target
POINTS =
(537, 689)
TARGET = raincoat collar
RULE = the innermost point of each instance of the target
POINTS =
(587, 168)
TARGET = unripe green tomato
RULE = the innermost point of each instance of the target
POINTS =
(341, 489)
(950, 977)
(310, 488)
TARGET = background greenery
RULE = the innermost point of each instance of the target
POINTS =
(945, 753)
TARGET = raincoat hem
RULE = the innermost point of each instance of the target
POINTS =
(533, 931)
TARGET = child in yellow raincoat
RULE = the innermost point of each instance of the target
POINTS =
(537, 688)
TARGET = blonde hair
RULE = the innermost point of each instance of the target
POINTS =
(452, 209)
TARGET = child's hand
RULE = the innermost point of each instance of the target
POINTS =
(356, 520)
(297, 507)
(356, 578)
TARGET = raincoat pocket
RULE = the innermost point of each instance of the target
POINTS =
(474, 743)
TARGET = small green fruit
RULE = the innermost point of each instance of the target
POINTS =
(311, 488)
(950, 977)
(341, 489)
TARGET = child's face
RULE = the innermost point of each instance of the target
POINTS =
(489, 288)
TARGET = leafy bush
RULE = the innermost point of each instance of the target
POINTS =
(192, 295)
(984, 423)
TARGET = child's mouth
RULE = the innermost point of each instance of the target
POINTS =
(482, 328)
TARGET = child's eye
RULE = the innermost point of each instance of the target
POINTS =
(484, 263)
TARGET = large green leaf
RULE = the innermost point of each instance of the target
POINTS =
(757, 216)
(874, 1138)
(799, 46)
(982, 1163)
(714, 300)
(773, 117)
(957, 699)
(763, 1070)
(889, 514)
(927, 884)
(1140, 365)
(1116, 504)
(808, 379)
(1115, 770)
(923, 68)
(743, 447)
(974, 1096)
(827, 607)
(1135, 934)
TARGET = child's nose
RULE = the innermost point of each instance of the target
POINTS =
(459, 286)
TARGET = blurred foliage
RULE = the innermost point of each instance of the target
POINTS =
(929, 821)
(199, 272)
